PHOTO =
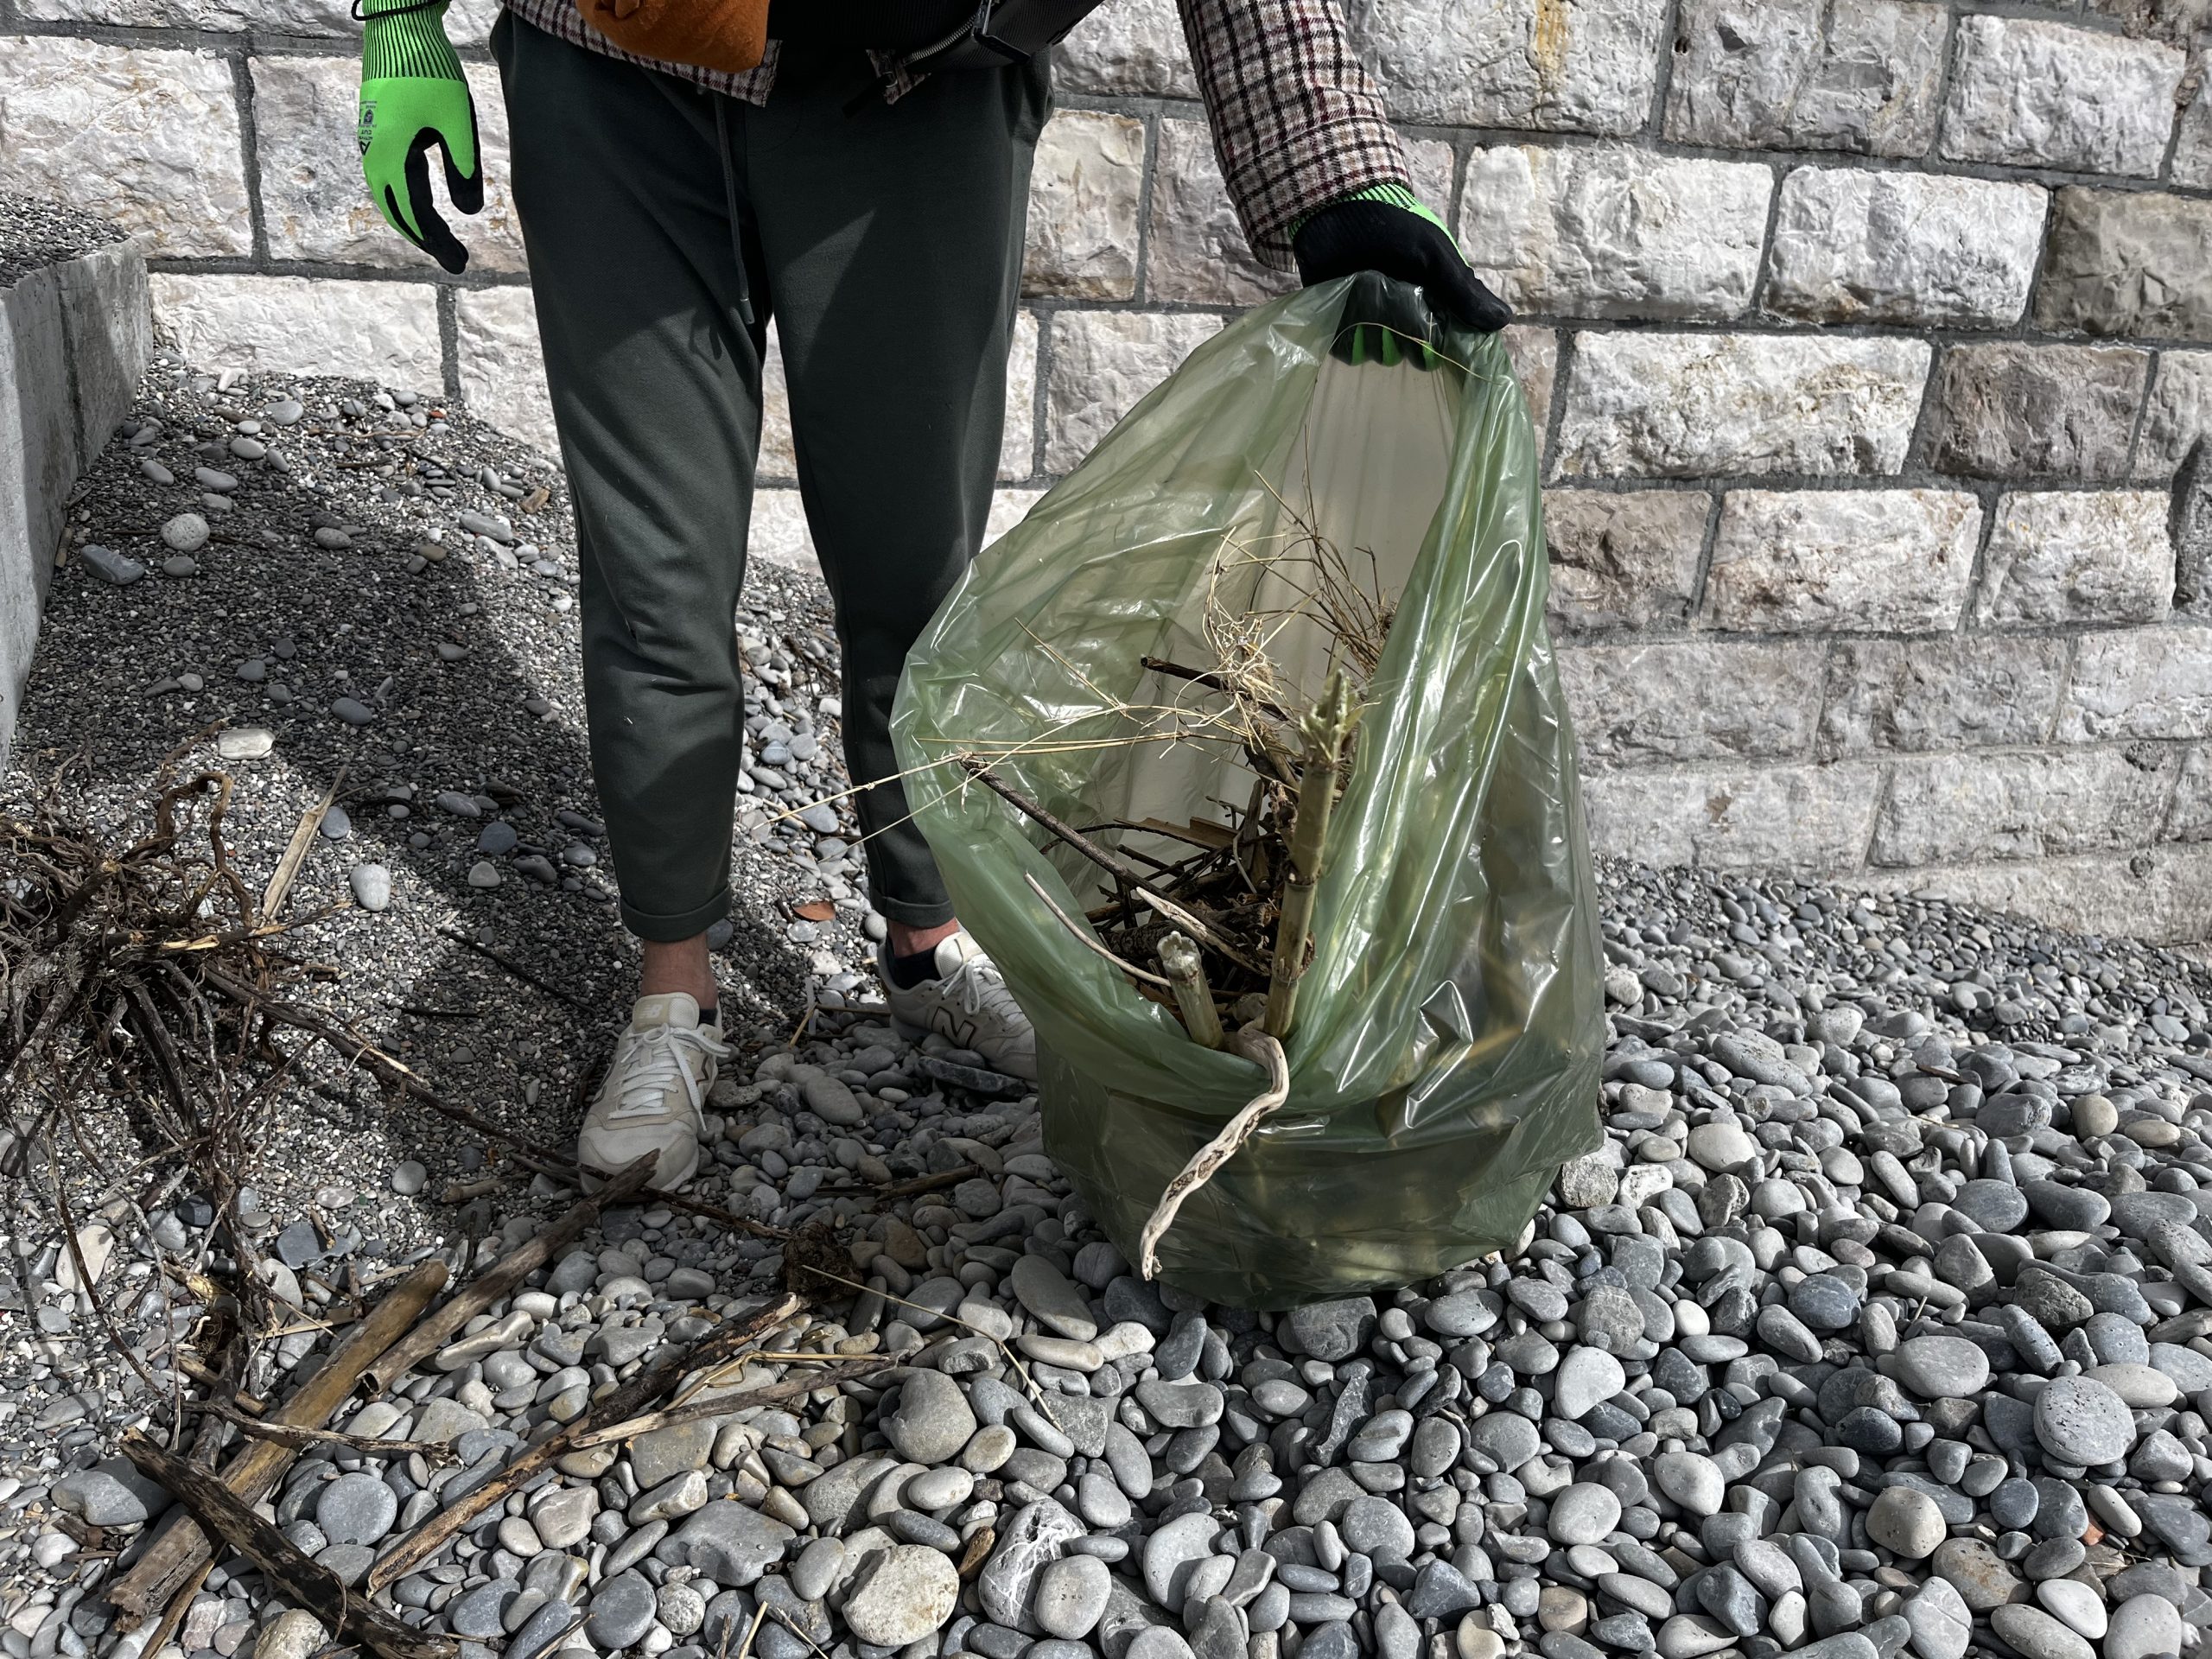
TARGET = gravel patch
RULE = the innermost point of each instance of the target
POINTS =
(35, 233)
(1882, 1321)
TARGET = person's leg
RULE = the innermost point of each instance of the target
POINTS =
(893, 238)
(656, 386)
(618, 183)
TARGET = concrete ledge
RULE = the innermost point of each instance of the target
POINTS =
(74, 337)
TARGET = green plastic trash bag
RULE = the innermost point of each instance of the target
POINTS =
(1444, 1061)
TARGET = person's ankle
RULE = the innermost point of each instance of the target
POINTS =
(680, 967)
(907, 941)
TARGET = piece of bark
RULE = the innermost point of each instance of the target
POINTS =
(303, 1582)
(496, 1282)
(145, 1590)
(627, 1401)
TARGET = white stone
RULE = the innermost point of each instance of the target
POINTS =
(1623, 558)
(278, 16)
(1131, 46)
(1533, 352)
(1803, 74)
(1952, 809)
(1684, 405)
(2179, 412)
(149, 139)
(2192, 165)
(1607, 231)
(2078, 556)
(1195, 250)
(1083, 193)
(1103, 363)
(2139, 683)
(1855, 245)
(1018, 443)
(1579, 66)
(2163, 895)
(502, 369)
(2035, 94)
(313, 203)
(1693, 700)
(300, 325)
(1842, 560)
(1813, 820)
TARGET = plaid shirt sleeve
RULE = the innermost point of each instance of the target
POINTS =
(1297, 122)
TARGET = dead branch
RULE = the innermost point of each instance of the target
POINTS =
(626, 1401)
(183, 1547)
(300, 1579)
(496, 1282)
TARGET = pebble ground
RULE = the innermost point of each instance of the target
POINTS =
(1881, 1324)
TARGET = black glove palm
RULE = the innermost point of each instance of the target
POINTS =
(1427, 271)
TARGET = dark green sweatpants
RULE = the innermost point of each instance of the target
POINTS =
(887, 244)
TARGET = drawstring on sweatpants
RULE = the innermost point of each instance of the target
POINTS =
(729, 199)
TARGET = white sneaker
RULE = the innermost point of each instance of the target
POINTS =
(661, 1069)
(968, 1004)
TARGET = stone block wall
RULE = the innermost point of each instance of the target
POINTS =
(1870, 342)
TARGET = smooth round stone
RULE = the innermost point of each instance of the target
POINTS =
(1996, 1206)
(182, 565)
(1722, 1148)
(1585, 1378)
(1906, 1522)
(1691, 1480)
(1375, 1526)
(2143, 1627)
(293, 1634)
(2082, 1422)
(1940, 1625)
(1941, 1368)
(2094, 1116)
(356, 1509)
(2035, 1634)
(498, 838)
(1474, 1639)
(186, 533)
(933, 1419)
(2142, 1387)
(939, 1489)
(352, 710)
(2081, 1608)
(621, 1610)
(1585, 1512)
(370, 885)
(1071, 1595)
(817, 1568)
(1824, 1302)
(483, 873)
(910, 1593)
(408, 1177)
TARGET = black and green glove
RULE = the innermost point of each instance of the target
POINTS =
(1387, 231)
(413, 96)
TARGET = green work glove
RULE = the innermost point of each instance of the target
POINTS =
(414, 95)
(1411, 271)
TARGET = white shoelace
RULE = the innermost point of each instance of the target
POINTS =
(981, 987)
(653, 1059)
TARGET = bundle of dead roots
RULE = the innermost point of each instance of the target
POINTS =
(1224, 905)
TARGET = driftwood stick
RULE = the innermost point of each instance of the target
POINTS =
(1191, 923)
(300, 1580)
(692, 1411)
(907, 1189)
(288, 868)
(496, 1282)
(627, 1401)
(1324, 731)
(299, 1438)
(1186, 975)
(1082, 937)
(145, 1590)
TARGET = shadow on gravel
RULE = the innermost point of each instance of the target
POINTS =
(312, 585)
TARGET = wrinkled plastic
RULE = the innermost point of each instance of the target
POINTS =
(1444, 1057)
